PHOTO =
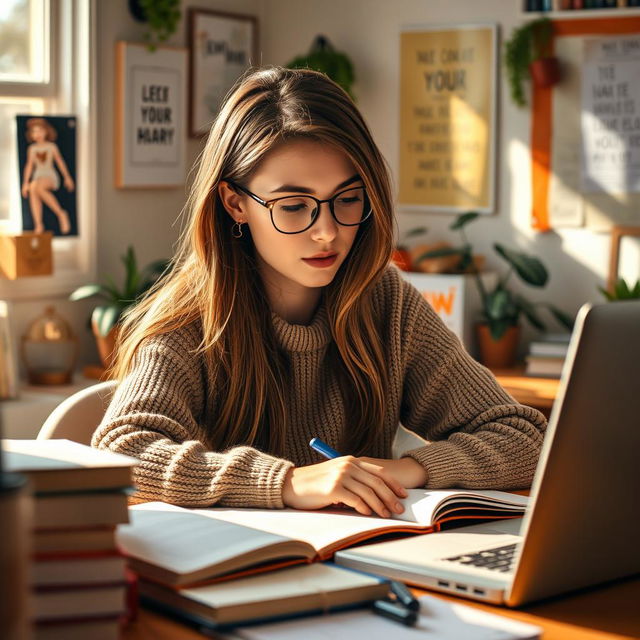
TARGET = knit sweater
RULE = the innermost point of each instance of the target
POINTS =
(478, 435)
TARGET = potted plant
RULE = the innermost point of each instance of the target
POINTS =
(104, 318)
(162, 16)
(621, 291)
(499, 330)
(527, 53)
(323, 57)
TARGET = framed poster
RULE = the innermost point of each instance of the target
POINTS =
(47, 166)
(151, 90)
(448, 78)
(222, 47)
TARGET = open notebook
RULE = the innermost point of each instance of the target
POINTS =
(179, 547)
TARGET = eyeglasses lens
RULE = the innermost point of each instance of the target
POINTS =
(296, 213)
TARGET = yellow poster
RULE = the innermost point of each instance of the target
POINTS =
(447, 118)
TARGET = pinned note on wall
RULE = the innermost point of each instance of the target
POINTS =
(585, 131)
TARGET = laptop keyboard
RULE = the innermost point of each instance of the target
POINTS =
(498, 559)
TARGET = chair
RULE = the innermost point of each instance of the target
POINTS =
(77, 417)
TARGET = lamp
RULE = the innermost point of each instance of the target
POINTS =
(49, 349)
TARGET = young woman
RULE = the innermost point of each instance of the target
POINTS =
(281, 320)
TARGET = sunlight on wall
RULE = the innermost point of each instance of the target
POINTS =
(519, 171)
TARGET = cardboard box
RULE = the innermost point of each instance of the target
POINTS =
(26, 254)
(454, 298)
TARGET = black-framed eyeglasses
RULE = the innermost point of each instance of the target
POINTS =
(295, 214)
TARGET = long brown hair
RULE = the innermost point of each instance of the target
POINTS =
(214, 277)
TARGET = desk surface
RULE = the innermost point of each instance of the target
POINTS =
(605, 613)
(535, 392)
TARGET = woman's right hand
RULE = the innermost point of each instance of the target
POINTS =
(366, 487)
(25, 190)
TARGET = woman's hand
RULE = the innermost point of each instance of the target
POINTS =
(365, 486)
(25, 189)
(407, 471)
(69, 184)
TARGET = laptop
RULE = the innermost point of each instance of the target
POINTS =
(582, 525)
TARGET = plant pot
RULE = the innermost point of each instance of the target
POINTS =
(545, 72)
(106, 345)
(497, 354)
(402, 259)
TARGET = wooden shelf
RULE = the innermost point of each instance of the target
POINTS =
(535, 392)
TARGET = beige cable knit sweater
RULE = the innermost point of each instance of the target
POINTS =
(479, 437)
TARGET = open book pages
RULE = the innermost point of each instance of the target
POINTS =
(310, 588)
(174, 545)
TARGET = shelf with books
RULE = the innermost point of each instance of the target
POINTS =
(564, 7)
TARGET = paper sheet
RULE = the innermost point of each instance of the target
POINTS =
(439, 620)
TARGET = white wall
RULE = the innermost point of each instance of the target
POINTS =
(368, 31)
(145, 218)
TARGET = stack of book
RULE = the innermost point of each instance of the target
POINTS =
(78, 579)
(547, 355)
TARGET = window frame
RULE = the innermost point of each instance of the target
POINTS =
(75, 87)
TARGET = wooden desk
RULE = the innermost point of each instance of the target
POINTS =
(609, 612)
(535, 392)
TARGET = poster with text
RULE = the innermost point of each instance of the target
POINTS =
(47, 166)
(610, 117)
(222, 46)
(447, 118)
(151, 90)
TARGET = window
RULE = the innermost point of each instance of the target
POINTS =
(47, 66)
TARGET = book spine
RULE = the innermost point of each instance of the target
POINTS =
(70, 555)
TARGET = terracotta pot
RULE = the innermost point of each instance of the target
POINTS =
(545, 72)
(106, 345)
(402, 259)
(443, 264)
(497, 354)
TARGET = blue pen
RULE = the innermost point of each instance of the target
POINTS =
(323, 448)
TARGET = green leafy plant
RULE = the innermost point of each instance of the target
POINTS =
(528, 42)
(323, 57)
(136, 284)
(621, 291)
(163, 18)
(501, 307)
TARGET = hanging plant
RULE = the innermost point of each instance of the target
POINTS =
(324, 58)
(527, 54)
(162, 16)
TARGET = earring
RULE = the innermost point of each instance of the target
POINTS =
(236, 230)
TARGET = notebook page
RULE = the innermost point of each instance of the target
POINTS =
(319, 528)
(421, 504)
(183, 541)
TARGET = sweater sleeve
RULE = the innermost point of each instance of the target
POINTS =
(479, 436)
(154, 415)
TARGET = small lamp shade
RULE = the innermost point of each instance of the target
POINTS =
(49, 349)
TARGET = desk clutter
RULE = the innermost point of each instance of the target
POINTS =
(78, 581)
(210, 568)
